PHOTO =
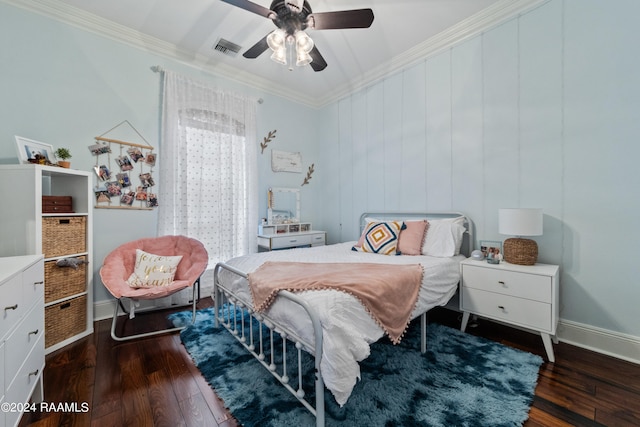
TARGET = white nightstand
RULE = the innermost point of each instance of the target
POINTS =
(269, 242)
(522, 295)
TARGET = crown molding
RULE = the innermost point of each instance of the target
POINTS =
(94, 24)
(486, 19)
(482, 21)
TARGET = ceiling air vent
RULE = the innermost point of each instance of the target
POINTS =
(226, 47)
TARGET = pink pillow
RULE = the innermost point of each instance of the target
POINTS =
(411, 238)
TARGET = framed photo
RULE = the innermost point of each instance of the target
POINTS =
(30, 151)
(491, 249)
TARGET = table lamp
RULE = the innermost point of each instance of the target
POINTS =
(520, 222)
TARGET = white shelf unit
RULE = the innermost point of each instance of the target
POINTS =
(21, 228)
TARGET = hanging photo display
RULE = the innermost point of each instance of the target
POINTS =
(124, 175)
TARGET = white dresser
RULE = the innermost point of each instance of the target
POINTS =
(521, 295)
(270, 242)
(21, 334)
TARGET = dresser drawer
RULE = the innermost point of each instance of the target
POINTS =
(318, 239)
(33, 283)
(11, 305)
(23, 339)
(530, 286)
(290, 241)
(2, 380)
(520, 311)
(26, 380)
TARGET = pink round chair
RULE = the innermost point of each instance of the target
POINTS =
(120, 264)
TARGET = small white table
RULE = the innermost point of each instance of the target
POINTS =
(520, 295)
(269, 242)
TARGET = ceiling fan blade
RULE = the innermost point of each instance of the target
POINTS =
(257, 49)
(318, 63)
(251, 7)
(357, 18)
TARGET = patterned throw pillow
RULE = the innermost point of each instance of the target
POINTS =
(381, 237)
(153, 270)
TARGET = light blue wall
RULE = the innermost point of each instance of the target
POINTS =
(542, 111)
(64, 86)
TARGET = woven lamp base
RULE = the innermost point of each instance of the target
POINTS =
(520, 251)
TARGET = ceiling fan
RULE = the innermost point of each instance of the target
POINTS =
(292, 17)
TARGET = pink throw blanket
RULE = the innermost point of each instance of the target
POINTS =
(388, 292)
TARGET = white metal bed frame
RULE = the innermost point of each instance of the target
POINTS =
(227, 302)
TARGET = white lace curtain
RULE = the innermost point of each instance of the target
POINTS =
(208, 179)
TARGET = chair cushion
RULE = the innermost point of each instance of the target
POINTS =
(153, 270)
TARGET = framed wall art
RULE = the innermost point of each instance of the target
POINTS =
(284, 161)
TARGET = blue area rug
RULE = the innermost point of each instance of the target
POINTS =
(462, 380)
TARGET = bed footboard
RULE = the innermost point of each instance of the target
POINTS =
(237, 316)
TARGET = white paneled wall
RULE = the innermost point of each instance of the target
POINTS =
(540, 111)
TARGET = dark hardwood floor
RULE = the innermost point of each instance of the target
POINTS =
(152, 381)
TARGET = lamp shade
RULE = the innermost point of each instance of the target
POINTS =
(520, 222)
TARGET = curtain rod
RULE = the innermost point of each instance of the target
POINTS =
(159, 69)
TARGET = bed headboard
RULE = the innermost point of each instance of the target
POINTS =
(468, 240)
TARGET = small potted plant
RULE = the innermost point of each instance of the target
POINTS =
(64, 154)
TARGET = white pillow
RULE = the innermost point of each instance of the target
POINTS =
(153, 270)
(444, 237)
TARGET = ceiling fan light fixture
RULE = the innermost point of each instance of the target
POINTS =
(303, 58)
(276, 39)
(303, 41)
(280, 55)
(304, 45)
(277, 43)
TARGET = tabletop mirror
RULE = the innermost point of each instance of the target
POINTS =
(283, 205)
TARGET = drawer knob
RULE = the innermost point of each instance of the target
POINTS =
(11, 307)
(39, 283)
(501, 282)
(34, 373)
(33, 332)
(501, 307)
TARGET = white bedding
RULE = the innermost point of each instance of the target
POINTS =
(348, 329)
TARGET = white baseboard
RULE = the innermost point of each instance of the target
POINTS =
(104, 309)
(615, 344)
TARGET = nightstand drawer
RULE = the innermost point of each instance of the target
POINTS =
(524, 312)
(523, 285)
(290, 241)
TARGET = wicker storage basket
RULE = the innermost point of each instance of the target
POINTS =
(64, 320)
(61, 282)
(63, 235)
(520, 251)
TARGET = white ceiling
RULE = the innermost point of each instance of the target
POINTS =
(402, 32)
